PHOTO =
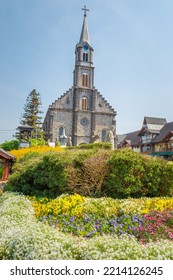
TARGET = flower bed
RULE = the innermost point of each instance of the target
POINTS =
(23, 237)
(90, 217)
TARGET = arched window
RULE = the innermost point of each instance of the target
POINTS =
(60, 131)
(84, 80)
(103, 136)
(85, 56)
(62, 136)
(84, 103)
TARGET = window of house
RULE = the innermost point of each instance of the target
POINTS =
(84, 80)
(146, 149)
(146, 138)
(84, 103)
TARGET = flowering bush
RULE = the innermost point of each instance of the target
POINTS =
(158, 204)
(40, 149)
(22, 237)
(65, 204)
(156, 225)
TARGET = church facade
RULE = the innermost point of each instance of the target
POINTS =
(81, 115)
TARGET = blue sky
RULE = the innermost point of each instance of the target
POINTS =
(133, 56)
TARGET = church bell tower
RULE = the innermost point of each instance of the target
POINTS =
(84, 70)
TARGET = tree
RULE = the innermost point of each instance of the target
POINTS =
(32, 114)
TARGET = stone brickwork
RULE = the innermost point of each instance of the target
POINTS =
(62, 118)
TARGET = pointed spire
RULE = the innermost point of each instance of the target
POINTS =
(84, 37)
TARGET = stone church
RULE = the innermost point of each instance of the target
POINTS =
(80, 115)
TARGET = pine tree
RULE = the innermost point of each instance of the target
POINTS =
(32, 114)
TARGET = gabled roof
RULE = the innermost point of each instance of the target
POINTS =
(165, 132)
(6, 155)
(152, 125)
(154, 120)
(131, 138)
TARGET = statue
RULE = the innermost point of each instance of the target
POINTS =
(110, 136)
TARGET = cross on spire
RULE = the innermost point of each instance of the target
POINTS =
(85, 10)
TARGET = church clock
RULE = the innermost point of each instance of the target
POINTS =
(85, 47)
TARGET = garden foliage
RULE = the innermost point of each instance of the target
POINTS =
(134, 175)
(92, 172)
(22, 237)
(10, 145)
(44, 174)
(99, 145)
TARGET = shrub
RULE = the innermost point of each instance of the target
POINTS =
(1, 171)
(88, 180)
(124, 178)
(92, 172)
(10, 145)
(135, 175)
(22, 177)
(44, 174)
(96, 146)
(157, 178)
(39, 174)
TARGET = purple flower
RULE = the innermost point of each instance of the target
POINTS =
(72, 219)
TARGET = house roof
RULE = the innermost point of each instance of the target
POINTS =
(152, 125)
(165, 133)
(120, 138)
(154, 120)
(131, 138)
(6, 155)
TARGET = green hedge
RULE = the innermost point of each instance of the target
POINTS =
(92, 172)
(44, 175)
(96, 146)
(133, 174)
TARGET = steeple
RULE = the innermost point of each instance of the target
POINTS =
(84, 70)
(84, 37)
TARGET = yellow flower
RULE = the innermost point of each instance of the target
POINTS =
(40, 149)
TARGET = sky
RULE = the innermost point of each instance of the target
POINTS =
(133, 56)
